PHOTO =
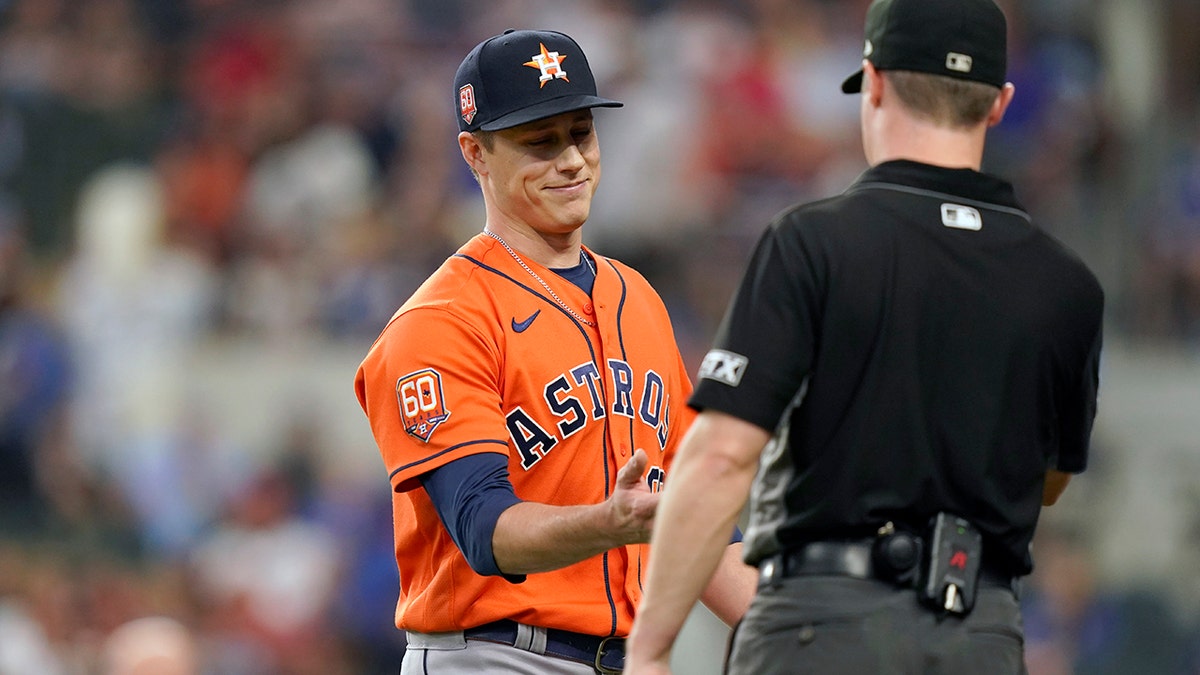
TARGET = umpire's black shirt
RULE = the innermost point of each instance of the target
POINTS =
(917, 345)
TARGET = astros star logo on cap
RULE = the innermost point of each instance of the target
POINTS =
(550, 63)
(494, 88)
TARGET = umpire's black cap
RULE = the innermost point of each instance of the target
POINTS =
(520, 76)
(965, 39)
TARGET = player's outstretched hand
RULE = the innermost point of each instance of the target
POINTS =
(632, 503)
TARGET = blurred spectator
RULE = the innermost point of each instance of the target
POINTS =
(150, 646)
(84, 95)
(1058, 143)
(178, 479)
(35, 48)
(755, 150)
(302, 195)
(134, 304)
(203, 177)
(35, 382)
(25, 646)
(1074, 626)
(1182, 97)
(1167, 287)
(659, 145)
(365, 606)
(366, 274)
(268, 577)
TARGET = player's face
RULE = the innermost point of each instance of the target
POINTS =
(543, 174)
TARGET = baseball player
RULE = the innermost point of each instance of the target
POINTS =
(527, 400)
(906, 375)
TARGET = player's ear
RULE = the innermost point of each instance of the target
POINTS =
(1000, 105)
(472, 151)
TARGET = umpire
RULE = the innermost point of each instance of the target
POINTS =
(911, 370)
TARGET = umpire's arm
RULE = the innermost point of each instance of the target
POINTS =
(710, 481)
(1056, 482)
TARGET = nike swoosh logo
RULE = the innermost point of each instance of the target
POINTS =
(520, 326)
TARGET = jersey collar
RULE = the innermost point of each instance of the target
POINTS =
(966, 183)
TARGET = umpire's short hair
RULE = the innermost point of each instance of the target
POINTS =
(945, 101)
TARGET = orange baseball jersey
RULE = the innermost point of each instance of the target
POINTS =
(483, 359)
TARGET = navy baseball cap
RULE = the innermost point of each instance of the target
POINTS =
(523, 75)
(964, 39)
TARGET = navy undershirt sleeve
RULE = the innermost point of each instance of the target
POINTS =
(737, 535)
(469, 495)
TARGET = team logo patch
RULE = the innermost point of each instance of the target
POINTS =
(466, 102)
(550, 63)
(422, 407)
(723, 366)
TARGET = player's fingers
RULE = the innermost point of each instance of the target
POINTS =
(631, 473)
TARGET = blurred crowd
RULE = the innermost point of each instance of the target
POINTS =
(176, 176)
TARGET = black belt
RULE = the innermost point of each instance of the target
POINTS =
(605, 654)
(850, 559)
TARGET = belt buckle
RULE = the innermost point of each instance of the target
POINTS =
(600, 667)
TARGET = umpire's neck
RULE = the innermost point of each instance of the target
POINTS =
(891, 131)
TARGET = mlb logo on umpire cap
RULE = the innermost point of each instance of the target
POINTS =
(964, 39)
(523, 75)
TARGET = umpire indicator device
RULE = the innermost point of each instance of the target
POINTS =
(952, 574)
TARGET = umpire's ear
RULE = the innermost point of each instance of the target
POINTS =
(473, 152)
(1001, 104)
(872, 84)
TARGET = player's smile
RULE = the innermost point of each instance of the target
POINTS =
(568, 186)
(571, 189)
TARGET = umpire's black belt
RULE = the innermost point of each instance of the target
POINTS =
(606, 655)
(849, 559)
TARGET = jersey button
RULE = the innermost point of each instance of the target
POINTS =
(587, 308)
(624, 451)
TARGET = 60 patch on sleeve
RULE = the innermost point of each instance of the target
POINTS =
(422, 407)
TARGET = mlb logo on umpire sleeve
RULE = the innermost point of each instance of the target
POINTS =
(723, 366)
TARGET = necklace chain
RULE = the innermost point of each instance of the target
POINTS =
(541, 281)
